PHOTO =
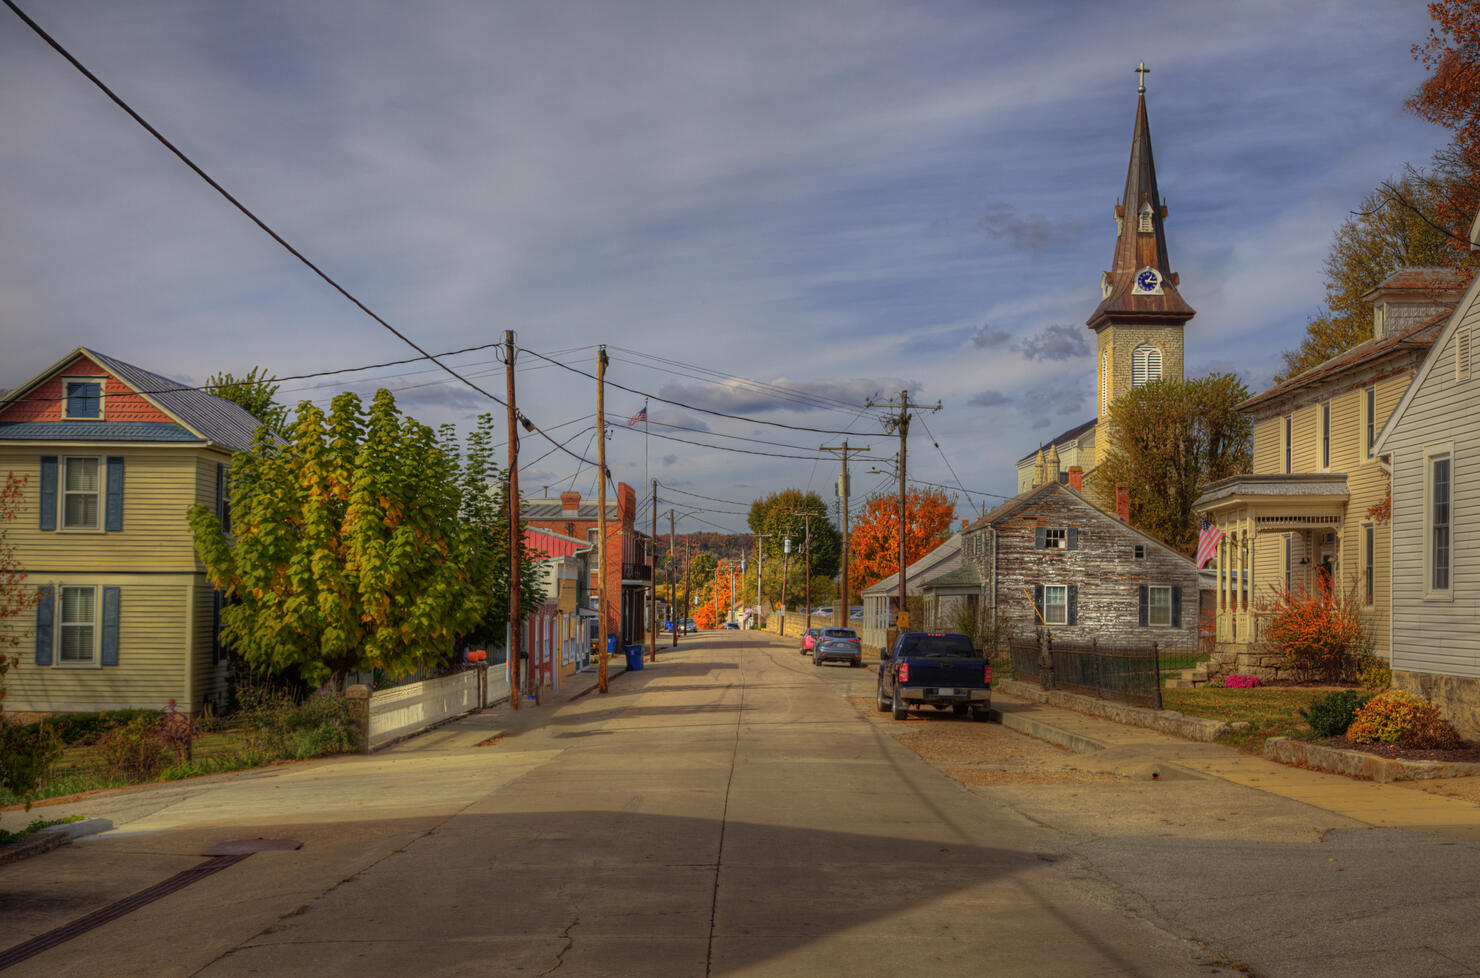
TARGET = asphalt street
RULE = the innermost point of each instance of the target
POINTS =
(735, 811)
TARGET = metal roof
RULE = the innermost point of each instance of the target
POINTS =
(554, 509)
(944, 558)
(221, 421)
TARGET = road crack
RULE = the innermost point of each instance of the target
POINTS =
(570, 942)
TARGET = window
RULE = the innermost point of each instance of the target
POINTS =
(79, 626)
(1326, 435)
(1140, 551)
(1289, 560)
(81, 492)
(1462, 355)
(1159, 606)
(1056, 604)
(1439, 521)
(1368, 548)
(1145, 365)
(1289, 430)
(84, 398)
(1369, 408)
(1145, 226)
(1056, 539)
(1105, 383)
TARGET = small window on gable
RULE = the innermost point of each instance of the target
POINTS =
(1145, 226)
(84, 398)
(1140, 551)
(1056, 539)
(1462, 355)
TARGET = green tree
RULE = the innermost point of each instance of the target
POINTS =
(783, 515)
(256, 393)
(358, 542)
(1168, 440)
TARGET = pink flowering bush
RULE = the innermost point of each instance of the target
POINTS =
(1236, 681)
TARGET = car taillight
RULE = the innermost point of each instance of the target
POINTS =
(904, 672)
(987, 674)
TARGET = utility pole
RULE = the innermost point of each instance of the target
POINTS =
(653, 577)
(785, 569)
(688, 565)
(672, 585)
(601, 603)
(515, 537)
(841, 617)
(807, 556)
(900, 422)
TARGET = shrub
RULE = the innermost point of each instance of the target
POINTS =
(1332, 714)
(323, 724)
(75, 729)
(1375, 675)
(177, 732)
(1236, 681)
(1318, 631)
(27, 754)
(135, 751)
(1399, 717)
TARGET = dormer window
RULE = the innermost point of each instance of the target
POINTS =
(84, 398)
(1145, 219)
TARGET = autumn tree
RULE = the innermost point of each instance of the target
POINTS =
(256, 393)
(1450, 97)
(361, 542)
(787, 515)
(1168, 440)
(15, 598)
(874, 551)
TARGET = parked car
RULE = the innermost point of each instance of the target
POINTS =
(855, 614)
(822, 612)
(689, 625)
(937, 669)
(838, 645)
(731, 624)
(809, 639)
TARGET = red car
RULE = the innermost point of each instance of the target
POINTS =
(809, 640)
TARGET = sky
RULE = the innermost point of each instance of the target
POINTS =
(842, 198)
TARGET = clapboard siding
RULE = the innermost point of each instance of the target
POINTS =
(1437, 635)
(209, 679)
(151, 657)
(1268, 445)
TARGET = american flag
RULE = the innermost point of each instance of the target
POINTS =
(1207, 543)
(637, 418)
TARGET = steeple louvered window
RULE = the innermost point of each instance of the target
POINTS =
(1145, 226)
(1145, 364)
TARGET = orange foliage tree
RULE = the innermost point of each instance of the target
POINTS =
(873, 550)
(1450, 97)
(716, 606)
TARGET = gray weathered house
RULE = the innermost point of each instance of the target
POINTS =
(1050, 553)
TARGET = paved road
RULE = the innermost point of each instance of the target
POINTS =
(726, 813)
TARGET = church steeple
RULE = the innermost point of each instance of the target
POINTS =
(1130, 293)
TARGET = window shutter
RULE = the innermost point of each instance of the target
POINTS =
(1176, 607)
(1145, 612)
(1040, 538)
(1073, 538)
(110, 626)
(1462, 355)
(1038, 600)
(1073, 604)
(48, 492)
(45, 622)
(223, 497)
(113, 510)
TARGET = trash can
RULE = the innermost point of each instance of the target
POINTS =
(611, 645)
(634, 658)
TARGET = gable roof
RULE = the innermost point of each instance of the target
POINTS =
(208, 417)
(1024, 500)
(1435, 280)
(1462, 312)
(942, 559)
(1069, 435)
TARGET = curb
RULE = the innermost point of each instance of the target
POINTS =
(1165, 721)
(1046, 731)
(48, 839)
(1357, 764)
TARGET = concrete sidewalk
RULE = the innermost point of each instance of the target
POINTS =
(1151, 753)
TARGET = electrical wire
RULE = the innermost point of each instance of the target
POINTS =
(697, 372)
(942, 451)
(712, 499)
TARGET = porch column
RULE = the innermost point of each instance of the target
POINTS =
(1223, 573)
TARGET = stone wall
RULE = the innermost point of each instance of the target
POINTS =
(1457, 697)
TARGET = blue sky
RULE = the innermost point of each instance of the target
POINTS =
(842, 197)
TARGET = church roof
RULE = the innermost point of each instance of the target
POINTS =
(1136, 250)
(1069, 435)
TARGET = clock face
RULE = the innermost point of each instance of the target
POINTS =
(1148, 280)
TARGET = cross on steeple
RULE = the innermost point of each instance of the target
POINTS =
(1142, 71)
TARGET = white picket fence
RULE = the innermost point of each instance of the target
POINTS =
(402, 710)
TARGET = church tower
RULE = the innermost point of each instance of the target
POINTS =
(1140, 318)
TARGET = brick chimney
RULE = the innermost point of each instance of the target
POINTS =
(1123, 502)
(1076, 478)
(570, 502)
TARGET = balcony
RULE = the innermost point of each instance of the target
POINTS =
(637, 574)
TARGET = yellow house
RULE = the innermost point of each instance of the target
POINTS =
(1314, 504)
(112, 457)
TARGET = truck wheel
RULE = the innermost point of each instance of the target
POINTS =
(816, 661)
(854, 663)
(901, 712)
(981, 714)
(880, 700)
(960, 709)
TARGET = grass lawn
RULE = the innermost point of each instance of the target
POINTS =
(1272, 711)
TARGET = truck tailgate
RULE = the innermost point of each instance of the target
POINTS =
(946, 672)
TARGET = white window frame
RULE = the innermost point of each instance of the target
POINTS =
(1431, 454)
(1325, 433)
(1063, 604)
(1142, 360)
(1369, 564)
(1369, 420)
(94, 659)
(63, 493)
(102, 383)
(1287, 441)
(1151, 592)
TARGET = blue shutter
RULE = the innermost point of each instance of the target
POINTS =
(1176, 607)
(48, 492)
(1040, 538)
(1073, 602)
(110, 626)
(1073, 538)
(1145, 607)
(45, 623)
(113, 512)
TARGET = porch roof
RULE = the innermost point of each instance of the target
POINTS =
(1279, 501)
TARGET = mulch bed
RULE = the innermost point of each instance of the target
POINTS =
(1469, 753)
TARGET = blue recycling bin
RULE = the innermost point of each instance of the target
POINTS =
(611, 645)
(634, 658)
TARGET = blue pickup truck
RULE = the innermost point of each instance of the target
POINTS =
(937, 669)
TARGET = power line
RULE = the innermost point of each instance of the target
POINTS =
(778, 390)
(942, 451)
(969, 492)
(263, 225)
(712, 499)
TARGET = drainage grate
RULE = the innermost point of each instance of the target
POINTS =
(230, 853)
